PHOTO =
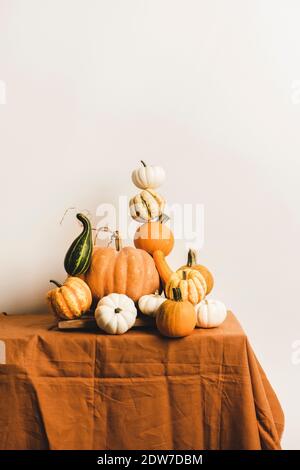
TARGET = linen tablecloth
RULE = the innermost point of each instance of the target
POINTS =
(89, 390)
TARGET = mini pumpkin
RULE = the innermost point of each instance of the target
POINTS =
(148, 177)
(71, 299)
(191, 284)
(176, 318)
(115, 314)
(210, 313)
(149, 304)
(146, 205)
(192, 263)
(155, 236)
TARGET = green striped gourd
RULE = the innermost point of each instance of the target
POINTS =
(78, 257)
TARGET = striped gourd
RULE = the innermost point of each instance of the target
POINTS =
(147, 205)
(78, 257)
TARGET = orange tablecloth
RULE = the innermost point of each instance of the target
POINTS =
(85, 390)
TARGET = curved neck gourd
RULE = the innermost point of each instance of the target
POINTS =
(78, 257)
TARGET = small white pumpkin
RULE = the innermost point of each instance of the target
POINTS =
(210, 313)
(148, 177)
(115, 314)
(146, 205)
(149, 304)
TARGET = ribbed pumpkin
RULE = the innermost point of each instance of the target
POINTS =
(210, 313)
(176, 318)
(155, 236)
(146, 205)
(127, 270)
(149, 304)
(115, 314)
(191, 284)
(192, 264)
(71, 299)
(148, 177)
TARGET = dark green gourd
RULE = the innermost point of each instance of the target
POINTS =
(78, 257)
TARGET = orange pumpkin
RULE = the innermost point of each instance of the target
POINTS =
(154, 236)
(192, 264)
(70, 299)
(127, 270)
(176, 318)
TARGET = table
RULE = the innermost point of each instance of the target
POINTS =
(89, 390)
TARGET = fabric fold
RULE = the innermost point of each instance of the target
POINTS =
(89, 390)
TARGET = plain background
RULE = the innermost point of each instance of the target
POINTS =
(209, 90)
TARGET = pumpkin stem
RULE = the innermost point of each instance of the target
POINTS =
(192, 260)
(101, 229)
(56, 283)
(114, 236)
(163, 218)
(118, 310)
(143, 163)
(177, 294)
(118, 241)
(184, 275)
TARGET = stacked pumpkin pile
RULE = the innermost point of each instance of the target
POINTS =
(113, 281)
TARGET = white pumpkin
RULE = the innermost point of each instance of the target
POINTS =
(146, 205)
(210, 313)
(148, 177)
(115, 314)
(149, 304)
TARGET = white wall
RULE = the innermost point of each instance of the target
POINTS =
(209, 90)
